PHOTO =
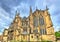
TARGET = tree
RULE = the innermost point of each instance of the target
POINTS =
(57, 34)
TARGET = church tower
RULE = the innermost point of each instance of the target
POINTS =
(31, 20)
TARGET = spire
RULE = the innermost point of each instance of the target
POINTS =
(30, 10)
(36, 8)
(17, 14)
(47, 12)
(47, 8)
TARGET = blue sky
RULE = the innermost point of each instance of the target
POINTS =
(8, 9)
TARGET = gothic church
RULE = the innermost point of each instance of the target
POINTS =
(36, 27)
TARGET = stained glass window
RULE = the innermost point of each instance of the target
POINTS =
(43, 31)
(35, 21)
(30, 30)
(24, 31)
(41, 20)
(36, 31)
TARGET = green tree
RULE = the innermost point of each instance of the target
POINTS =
(57, 34)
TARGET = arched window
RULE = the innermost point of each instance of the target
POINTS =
(36, 31)
(35, 21)
(41, 20)
(43, 31)
(24, 30)
(30, 30)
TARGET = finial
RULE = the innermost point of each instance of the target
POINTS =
(30, 9)
(47, 8)
(36, 8)
(17, 13)
(40, 9)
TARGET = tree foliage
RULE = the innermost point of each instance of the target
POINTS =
(57, 34)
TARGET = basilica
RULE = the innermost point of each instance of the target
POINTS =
(36, 27)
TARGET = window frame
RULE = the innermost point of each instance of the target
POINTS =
(35, 21)
(41, 20)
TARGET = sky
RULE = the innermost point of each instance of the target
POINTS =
(8, 10)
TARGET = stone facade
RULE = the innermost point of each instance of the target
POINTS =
(36, 27)
(0, 38)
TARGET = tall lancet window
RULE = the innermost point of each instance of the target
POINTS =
(43, 31)
(36, 31)
(41, 20)
(24, 30)
(35, 21)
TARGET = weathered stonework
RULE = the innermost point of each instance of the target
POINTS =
(28, 29)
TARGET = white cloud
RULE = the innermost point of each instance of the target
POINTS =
(23, 8)
(56, 27)
(44, 3)
(4, 14)
(52, 8)
(50, 1)
(0, 33)
(4, 19)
